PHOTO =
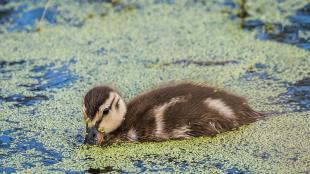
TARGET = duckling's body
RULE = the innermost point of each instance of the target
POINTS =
(181, 111)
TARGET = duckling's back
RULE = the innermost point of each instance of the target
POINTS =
(184, 110)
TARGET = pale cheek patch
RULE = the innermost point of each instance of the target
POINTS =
(115, 117)
(159, 115)
(219, 106)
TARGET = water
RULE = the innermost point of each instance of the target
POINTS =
(289, 34)
(297, 97)
(48, 77)
(42, 127)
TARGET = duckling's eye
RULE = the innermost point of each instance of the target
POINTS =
(105, 111)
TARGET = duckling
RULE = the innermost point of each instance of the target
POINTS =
(175, 111)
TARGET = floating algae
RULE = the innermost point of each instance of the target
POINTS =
(115, 49)
(278, 24)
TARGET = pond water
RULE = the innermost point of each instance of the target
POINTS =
(53, 51)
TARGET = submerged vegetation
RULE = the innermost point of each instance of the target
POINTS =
(133, 45)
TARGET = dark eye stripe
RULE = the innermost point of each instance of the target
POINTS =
(117, 103)
(112, 103)
(98, 122)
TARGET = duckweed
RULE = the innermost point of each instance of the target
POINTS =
(127, 49)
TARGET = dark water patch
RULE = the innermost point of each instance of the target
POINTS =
(294, 159)
(4, 14)
(235, 170)
(289, 34)
(15, 141)
(152, 164)
(3, 2)
(50, 76)
(6, 66)
(21, 100)
(138, 164)
(101, 51)
(252, 24)
(259, 70)
(302, 18)
(297, 97)
(53, 78)
(79, 137)
(27, 165)
(53, 75)
(73, 139)
(9, 131)
(5, 141)
(230, 4)
(21, 19)
(304, 45)
(251, 75)
(278, 32)
(74, 172)
(11, 63)
(48, 157)
(24, 20)
(7, 170)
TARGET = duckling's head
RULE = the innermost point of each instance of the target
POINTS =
(104, 111)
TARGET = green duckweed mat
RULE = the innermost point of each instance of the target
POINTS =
(133, 46)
